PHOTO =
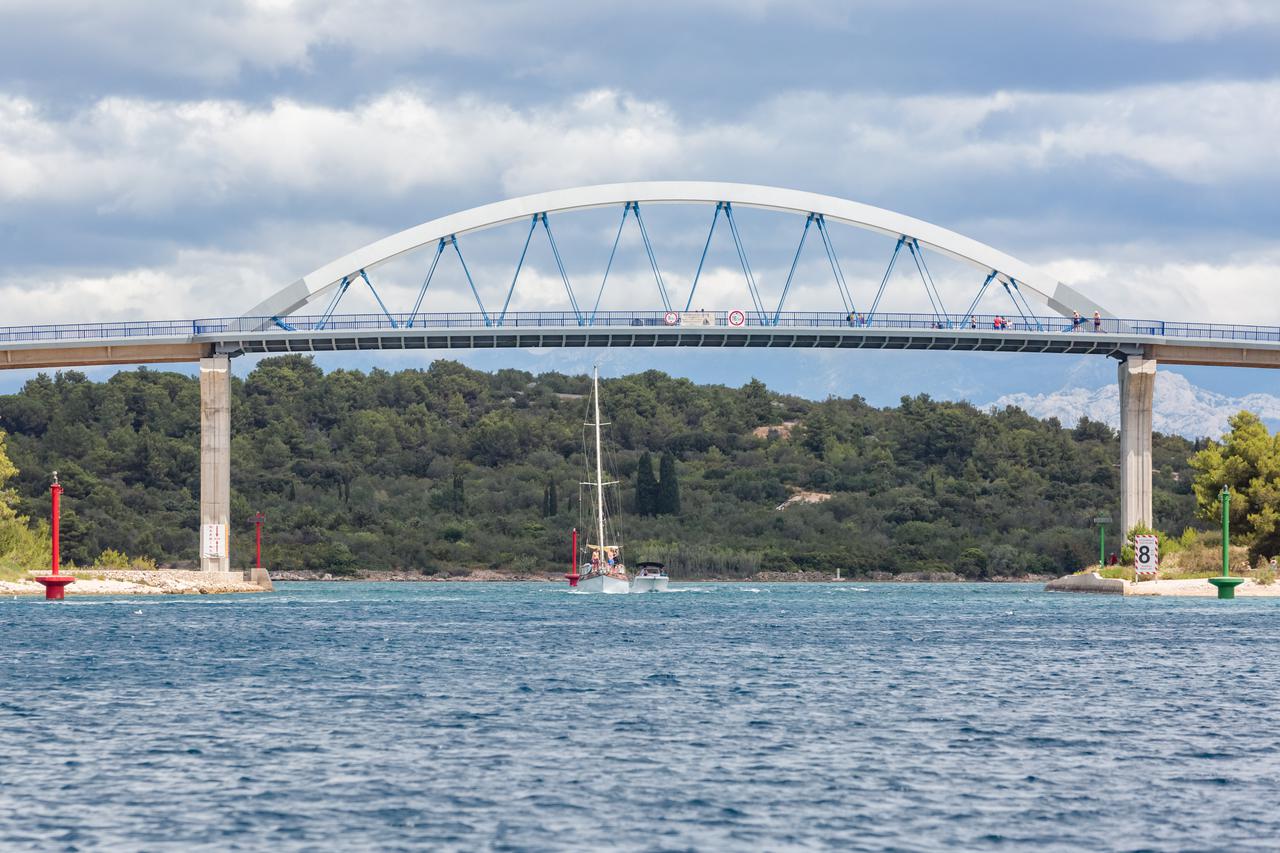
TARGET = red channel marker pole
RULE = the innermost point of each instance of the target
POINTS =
(257, 556)
(55, 584)
(573, 575)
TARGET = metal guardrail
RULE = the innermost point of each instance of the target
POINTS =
(750, 320)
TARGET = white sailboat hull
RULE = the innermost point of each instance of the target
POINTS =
(651, 583)
(605, 584)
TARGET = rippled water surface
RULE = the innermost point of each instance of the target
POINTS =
(518, 716)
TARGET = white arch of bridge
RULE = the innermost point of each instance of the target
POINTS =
(322, 282)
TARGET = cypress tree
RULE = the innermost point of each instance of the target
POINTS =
(553, 499)
(646, 487)
(459, 499)
(668, 498)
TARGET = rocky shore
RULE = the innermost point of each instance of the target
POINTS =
(149, 582)
(1091, 582)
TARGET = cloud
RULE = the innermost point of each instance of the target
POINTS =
(223, 41)
(162, 169)
(141, 155)
(1179, 20)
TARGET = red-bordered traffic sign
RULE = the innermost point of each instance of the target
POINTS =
(737, 318)
(671, 318)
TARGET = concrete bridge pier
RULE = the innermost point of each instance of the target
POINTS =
(1137, 391)
(215, 463)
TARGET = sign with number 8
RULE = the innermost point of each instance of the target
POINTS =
(1146, 554)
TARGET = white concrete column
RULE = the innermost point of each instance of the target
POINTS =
(1137, 390)
(215, 457)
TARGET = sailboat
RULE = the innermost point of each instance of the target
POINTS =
(605, 569)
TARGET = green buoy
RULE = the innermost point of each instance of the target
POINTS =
(1226, 584)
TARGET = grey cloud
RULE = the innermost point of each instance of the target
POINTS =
(710, 55)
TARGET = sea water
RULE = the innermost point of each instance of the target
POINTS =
(723, 716)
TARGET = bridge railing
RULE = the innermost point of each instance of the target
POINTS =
(613, 320)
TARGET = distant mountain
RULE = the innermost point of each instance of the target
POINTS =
(1180, 407)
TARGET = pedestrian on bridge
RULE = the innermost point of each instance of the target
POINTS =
(1076, 320)
(1097, 321)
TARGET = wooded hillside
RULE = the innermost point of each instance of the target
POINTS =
(447, 468)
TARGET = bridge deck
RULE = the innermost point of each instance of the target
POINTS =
(187, 340)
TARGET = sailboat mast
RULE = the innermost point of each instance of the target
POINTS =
(595, 386)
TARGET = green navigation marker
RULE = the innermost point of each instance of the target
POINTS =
(1226, 584)
(1102, 521)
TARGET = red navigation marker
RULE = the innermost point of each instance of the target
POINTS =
(55, 584)
(257, 520)
(573, 575)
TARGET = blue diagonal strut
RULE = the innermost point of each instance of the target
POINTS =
(609, 266)
(533, 226)
(968, 314)
(333, 303)
(742, 259)
(453, 239)
(426, 282)
(875, 303)
(935, 298)
(836, 271)
(1020, 302)
(715, 217)
(381, 304)
(786, 288)
(653, 258)
(564, 276)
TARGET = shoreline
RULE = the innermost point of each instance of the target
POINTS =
(190, 582)
(140, 582)
(1093, 584)
(496, 576)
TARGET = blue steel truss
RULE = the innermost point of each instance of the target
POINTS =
(631, 207)
(759, 315)
(752, 288)
(555, 253)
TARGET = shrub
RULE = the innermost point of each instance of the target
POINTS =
(111, 559)
(1116, 572)
(525, 564)
(1263, 572)
(143, 564)
(453, 532)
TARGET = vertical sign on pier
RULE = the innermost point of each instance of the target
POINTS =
(213, 540)
(1146, 555)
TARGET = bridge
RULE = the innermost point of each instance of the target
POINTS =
(1075, 324)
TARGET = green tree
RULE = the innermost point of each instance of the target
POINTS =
(550, 500)
(1247, 462)
(668, 496)
(815, 433)
(458, 501)
(21, 548)
(7, 472)
(646, 486)
(757, 404)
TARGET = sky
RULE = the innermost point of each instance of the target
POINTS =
(185, 160)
